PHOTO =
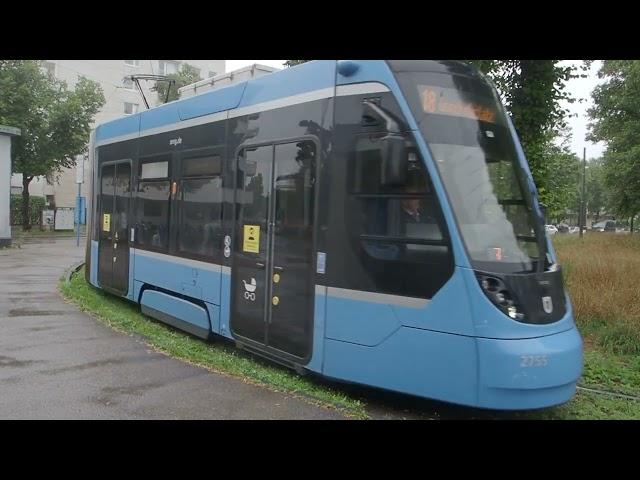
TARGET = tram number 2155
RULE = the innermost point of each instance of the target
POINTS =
(533, 360)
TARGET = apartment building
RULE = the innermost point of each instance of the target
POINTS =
(121, 98)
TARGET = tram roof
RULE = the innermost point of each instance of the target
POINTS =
(307, 77)
(266, 89)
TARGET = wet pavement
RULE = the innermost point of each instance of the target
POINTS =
(59, 363)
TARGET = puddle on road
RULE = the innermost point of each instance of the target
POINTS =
(85, 366)
(14, 362)
(40, 329)
(41, 298)
(26, 312)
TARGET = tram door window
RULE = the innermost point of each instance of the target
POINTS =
(113, 247)
(273, 260)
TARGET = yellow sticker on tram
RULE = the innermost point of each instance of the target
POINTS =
(106, 222)
(251, 242)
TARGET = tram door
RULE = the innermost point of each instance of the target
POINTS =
(113, 243)
(272, 281)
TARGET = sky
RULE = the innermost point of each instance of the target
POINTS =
(580, 88)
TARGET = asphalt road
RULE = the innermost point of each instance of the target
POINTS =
(59, 363)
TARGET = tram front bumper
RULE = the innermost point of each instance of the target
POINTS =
(529, 373)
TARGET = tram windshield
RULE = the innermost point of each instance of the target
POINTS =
(468, 137)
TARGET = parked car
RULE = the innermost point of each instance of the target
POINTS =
(551, 229)
(563, 228)
(605, 226)
(574, 230)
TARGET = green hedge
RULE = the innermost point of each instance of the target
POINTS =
(36, 205)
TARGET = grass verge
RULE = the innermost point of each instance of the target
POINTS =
(217, 356)
(606, 372)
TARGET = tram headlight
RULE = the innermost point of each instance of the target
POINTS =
(496, 290)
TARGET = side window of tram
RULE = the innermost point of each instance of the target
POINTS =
(152, 204)
(393, 228)
(200, 210)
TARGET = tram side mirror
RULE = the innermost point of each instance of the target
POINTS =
(395, 160)
(393, 147)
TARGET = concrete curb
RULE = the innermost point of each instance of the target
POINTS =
(71, 270)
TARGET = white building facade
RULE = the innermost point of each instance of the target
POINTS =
(121, 98)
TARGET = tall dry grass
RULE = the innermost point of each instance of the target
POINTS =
(602, 273)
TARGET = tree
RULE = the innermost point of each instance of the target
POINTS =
(616, 121)
(54, 120)
(561, 170)
(597, 193)
(185, 76)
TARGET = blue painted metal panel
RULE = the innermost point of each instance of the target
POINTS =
(317, 354)
(359, 322)
(159, 116)
(93, 273)
(170, 274)
(225, 305)
(367, 323)
(530, 373)
(368, 71)
(291, 81)
(379, 71)
(214, 317)
(211, 102)
(121, 126)
(448, 311)
(431, 364)
(176, 307)
(492, 323)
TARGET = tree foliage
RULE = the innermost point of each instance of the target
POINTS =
(55, 121)
(185, 76)
(616, 121)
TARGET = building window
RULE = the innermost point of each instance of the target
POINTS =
(133, 63)
(167, 67)
(130, 108)
(128, 83)
(49, 67)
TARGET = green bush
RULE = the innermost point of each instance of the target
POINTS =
(36, 205)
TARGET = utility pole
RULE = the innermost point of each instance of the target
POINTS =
(79, 181)
(583, 202)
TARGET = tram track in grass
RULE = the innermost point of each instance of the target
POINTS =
(610, 386)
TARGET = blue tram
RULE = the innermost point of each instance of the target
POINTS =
(371, 221)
